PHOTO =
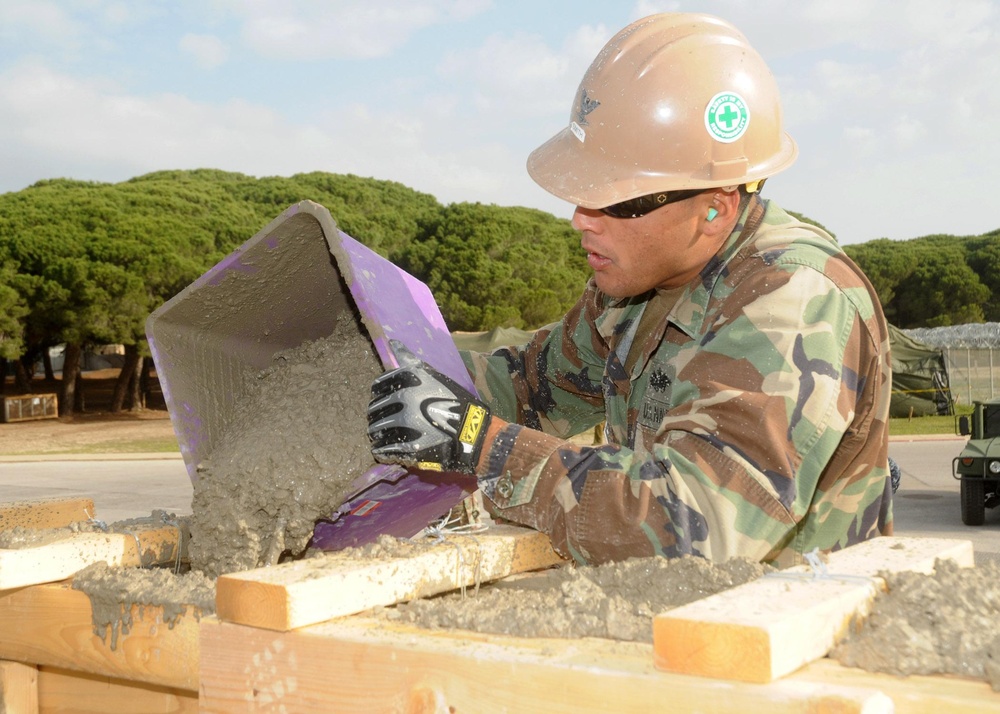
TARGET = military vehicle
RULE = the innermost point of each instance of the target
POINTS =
(978, 466)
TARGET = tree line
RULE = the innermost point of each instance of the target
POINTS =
(936, 280)
(84, 263)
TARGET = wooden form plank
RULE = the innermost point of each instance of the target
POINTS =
(770, 627)
(359, 665)
(916, 694)
(53, 625)
(18, 688)
(46, 512)
(61, 690)
(142, 545)
(305, 592)
(362, 665)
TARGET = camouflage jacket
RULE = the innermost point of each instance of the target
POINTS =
(746, 416)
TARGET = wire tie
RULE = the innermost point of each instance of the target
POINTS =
(819, 571)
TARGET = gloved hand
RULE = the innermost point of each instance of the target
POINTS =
(419, 417)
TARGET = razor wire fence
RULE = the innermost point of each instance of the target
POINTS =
(973, 373)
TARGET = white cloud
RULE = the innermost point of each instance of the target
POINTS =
(46, 21)
(315, 29)
(520, 77)
(89, 121)
(908, 132)
(821, 24)
(118, 13)
(844, 79)
(418, 153)
(518, 72)
(642, 8)
(208, 50)
(861, 141)
(48, 118)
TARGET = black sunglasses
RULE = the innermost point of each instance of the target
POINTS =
(636, 207)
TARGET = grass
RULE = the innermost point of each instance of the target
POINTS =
(924, 425)
(927, 425)
(108, 446)
(131, 446)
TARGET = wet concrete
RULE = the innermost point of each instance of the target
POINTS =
(297, 442)
(614, 600)
(943, 623)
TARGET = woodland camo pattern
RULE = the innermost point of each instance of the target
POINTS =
(746, 416)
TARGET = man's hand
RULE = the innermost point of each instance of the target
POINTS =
(419, 417)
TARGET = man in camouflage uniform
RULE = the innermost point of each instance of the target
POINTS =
(738, 358)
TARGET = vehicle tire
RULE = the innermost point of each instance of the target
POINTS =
(973, 501)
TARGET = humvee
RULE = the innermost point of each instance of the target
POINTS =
(978, 466)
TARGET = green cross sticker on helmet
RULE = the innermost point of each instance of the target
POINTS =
(727, 117)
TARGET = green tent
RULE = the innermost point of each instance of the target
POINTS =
(919, 378)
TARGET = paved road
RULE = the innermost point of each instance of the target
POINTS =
(121, 488)
(927, 503)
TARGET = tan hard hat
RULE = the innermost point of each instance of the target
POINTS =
(673, 101)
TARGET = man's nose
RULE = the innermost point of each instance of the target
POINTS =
(586, 219)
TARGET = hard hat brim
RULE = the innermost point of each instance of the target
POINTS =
(563, 168)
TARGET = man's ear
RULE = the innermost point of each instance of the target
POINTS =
(722, 212)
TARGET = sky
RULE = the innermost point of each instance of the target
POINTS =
(895, 105)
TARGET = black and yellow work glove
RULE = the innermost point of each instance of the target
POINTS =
(419, 417)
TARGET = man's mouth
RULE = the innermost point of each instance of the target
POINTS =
(597, 261)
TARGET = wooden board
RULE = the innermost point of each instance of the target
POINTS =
(143, 545)
(359, 665)
(770, 627)
(305, 592)
(46, 512)
(61, 691)
(53, 625)
(18, 688)
(915, 694)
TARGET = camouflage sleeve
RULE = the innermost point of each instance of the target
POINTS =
(552, 384)
(738, 466)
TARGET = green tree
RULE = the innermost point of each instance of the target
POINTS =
(934, 280)
(984, 259)
(887, 264)
(384, 215)
(12, 312)
(490, 266)
(941, 290)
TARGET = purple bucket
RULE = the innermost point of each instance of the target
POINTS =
(281, 288)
